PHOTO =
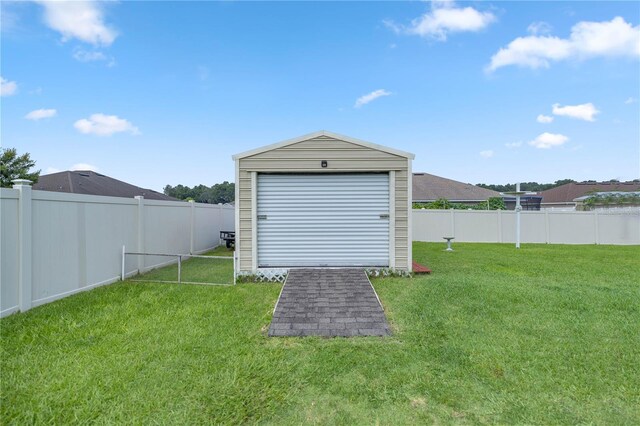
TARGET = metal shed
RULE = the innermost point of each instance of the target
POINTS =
(323, 200)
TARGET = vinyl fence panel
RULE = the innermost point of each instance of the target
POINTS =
(9, 245)
(74, 242)
(167, 229)
(553, 227)
(616, 227)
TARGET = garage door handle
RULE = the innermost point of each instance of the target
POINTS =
(384, 216)
(262, 217)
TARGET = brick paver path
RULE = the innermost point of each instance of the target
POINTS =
(328, 302)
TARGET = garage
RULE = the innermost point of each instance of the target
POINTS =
(323, 200)
(323, 220)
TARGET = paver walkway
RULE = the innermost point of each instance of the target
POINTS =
(328, 302)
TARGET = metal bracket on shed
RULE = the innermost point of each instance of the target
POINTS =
(262, 217)
(384, 216)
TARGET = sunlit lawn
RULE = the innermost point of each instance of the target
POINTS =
(544, 335)
(197, 270)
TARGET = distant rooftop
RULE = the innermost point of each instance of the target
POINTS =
(92, 183)
(427, 188)
(607, 194)
(570, 191)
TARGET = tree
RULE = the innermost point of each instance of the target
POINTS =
(224, 192)
(14, 166)
(526, 186)
(493, 203)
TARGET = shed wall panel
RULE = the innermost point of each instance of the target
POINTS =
(305, 157)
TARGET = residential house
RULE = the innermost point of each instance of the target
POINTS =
(562, 197)
(91, 183)
(428, 188)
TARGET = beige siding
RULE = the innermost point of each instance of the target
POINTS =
(244, 209)
(305, 157)
(300, 163)
(402, 217)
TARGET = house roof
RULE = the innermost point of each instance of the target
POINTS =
(568, 192)
(92, 183)
(428, 187)
(324, 133)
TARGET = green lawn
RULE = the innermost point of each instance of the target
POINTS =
(544, 335)
(197, 270)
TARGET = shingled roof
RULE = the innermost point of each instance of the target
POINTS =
(427, 188)
(92, 183)
(568, 192)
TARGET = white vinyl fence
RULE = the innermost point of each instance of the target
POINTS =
(552, 227)
(55, 244)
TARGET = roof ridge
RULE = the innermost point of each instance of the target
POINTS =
(328, 134)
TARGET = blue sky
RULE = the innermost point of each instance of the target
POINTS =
(157, 93)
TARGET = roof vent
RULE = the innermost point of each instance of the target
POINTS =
(85, 174)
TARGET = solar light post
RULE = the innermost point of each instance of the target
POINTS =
(517, 194)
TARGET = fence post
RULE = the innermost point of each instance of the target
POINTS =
(546, 226)
(499, 225)
(25, 241)
(140, 199)
(597, 226)
(192, 243)
(221, 226)
(453, 223)
(179, 269)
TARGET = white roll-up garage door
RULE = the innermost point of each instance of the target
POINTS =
(323, 220)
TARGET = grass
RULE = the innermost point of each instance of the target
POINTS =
(544, 335)
(197, 270)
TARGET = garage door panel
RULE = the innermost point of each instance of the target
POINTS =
(323, 220)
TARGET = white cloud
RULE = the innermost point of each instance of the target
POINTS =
(365, 99)
(537, 28)
(544, 118)
(587, 40)
(7, 88)
(630, 100)
(82, 20)
(84, 166)
(548, 140)
(486, 154)
(92, 56)
(512, 145)
(585, 112)
(88, 56)
(443, 19)
(39, 114)
(105, 125)
(75, 167)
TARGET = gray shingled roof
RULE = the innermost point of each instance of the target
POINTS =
(428, 188)
(92, 183)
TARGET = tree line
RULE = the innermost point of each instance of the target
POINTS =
(493, 203)
(224, 192)
(525, 186)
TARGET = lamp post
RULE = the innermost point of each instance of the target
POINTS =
(517, 194)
